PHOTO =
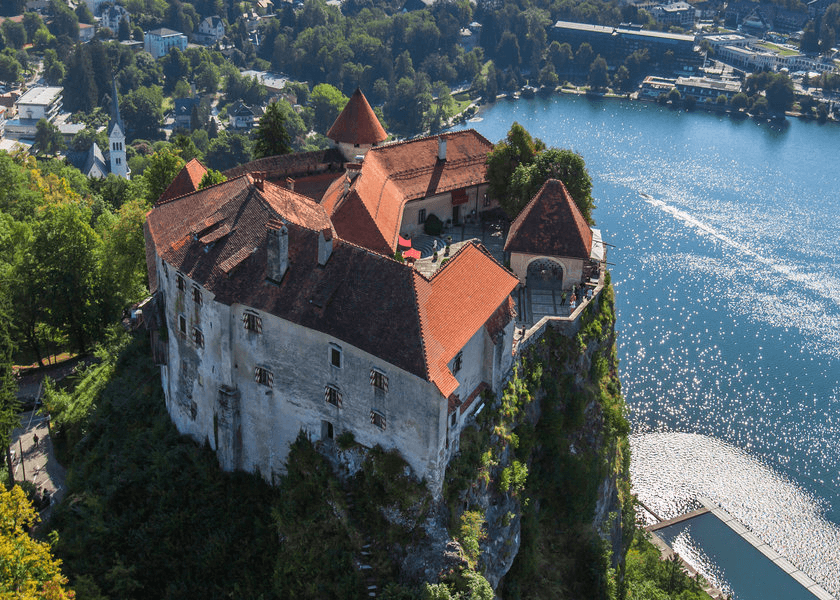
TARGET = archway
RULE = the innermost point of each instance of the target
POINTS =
(544, 274)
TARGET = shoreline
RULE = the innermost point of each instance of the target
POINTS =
(629, 97)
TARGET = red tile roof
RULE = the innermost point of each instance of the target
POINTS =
(299, 164)
(217, 237)
(357, 123)
(551, 225)
(394, 174)
(186, 181)
(457, 302)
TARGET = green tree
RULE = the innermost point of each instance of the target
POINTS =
(327, 102)
(123, 257)
(83, 14)
(47, 139)
(599, 78)
(739, 101)
(553, 163)
(142, 111)
(9, 67)
(161, 169)
(53, 68)
(271, 137)
(211, 177)
(14, 33)
(518, 148)
(30, 571)
(67, 249)
(124, 31)
(65, 21)
(780, 94)
(227, 151)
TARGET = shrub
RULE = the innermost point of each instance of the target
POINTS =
(433, 225)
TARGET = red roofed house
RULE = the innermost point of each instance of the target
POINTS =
(276, 325)
(286, 312)
(550, 243)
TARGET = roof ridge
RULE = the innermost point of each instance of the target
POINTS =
(420, 138)
(168, 200)
(420, 311)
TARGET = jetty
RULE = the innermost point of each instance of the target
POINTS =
(779, 560)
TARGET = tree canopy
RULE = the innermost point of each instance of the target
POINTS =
(271, 137)
(519, 165)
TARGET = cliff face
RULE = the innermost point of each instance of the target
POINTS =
(536, 499)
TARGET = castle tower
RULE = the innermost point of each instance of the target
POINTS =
(116, 139)
(356, 129)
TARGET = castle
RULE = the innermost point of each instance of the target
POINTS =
(282, 308)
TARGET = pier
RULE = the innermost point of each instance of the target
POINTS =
(779, 560)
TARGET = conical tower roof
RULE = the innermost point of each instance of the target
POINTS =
(551, 225)
(357, 123)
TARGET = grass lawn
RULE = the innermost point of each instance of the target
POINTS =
(779, 49)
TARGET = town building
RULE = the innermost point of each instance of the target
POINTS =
(184, 110)
(211, 30)
(36, 104)
(706, 88)
(40, 103)
(94, 162)
(278, 312)
(616, 43)
(159, 42)
(241, 115)
(86, 32)
(112, 15)
(675, 14)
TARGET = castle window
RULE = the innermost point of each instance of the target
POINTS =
(335, 355)
(182, 325)
(379, 380)
(263, 376)
(165, 271)
(458, 362)
(197, 295)
(421, 216)
(332, 396)
(378, 419)
(486, 200)
(252, 322)
(198, 337)
(182, 285)
(453, 421)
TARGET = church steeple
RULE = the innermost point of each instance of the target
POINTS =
(116, 138)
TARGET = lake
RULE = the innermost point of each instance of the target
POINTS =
(727, 277)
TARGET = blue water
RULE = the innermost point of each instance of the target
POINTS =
(727, 274)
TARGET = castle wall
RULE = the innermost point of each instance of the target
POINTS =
(213, 397)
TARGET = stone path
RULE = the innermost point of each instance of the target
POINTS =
(37, 463)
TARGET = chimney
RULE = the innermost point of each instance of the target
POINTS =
(277, 259)
(259, 179)
(290, 183)
(353, 170)
(441, 148)
(325, 246)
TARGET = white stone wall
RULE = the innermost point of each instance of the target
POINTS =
(441, 206)
(255, 431)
